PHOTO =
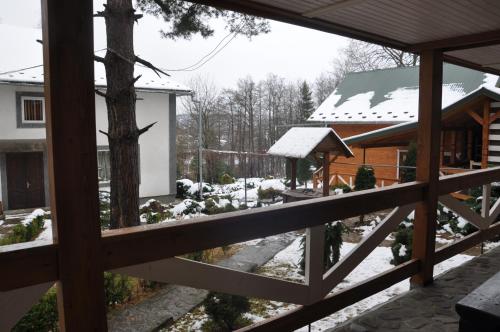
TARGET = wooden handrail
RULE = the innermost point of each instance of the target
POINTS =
(127, 248)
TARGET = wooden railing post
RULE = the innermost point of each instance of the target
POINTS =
(314, 269)
(429, 125)
(68, 50)
(486, 134)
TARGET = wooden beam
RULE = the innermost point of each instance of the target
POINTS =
(429, 127)
(296, 318)
(22, 266)
(330, 8)
(486, 134)
(326, 174)
(456, 182)
(154, 242)
(68, 50)
(453, 147)
(293, 171)
(475, 116)
(469, 144)
(495, 116)
(459, 43)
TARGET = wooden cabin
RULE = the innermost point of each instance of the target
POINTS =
(376, 112)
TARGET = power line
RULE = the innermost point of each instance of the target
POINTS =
(21, 69)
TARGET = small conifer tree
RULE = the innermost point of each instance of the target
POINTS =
(409, 173)
(225, 311)
(365, 179)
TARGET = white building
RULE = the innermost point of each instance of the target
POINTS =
(23, 152)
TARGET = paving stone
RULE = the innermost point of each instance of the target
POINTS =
(429, 308)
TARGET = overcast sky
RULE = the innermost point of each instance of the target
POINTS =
(289, 51)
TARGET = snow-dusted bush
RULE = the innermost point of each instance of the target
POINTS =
(402, 246)
(183, 188)
(226, 179)
(154, 212)
(225, 312)
(27, 230)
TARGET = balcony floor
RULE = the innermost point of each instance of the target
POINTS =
(430, 308)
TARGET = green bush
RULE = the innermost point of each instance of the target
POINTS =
(225, 312)
(333, 243)
(226, 179)
(42, 316)
(182, 190)
(365, 178)
(24, 232)
(269, 193)
(117, 289)
(403, 236)
(409, 173)
(345, 188)
(155, 212)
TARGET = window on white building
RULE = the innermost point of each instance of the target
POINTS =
(33, 109)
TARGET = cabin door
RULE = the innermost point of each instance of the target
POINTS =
(25, 183)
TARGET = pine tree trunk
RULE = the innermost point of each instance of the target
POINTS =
(123, 134)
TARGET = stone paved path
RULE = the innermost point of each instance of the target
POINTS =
(431, 308)
(172, 302)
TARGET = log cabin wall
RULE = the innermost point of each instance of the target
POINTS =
(385, 156)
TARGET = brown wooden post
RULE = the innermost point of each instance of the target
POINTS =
(326, 174)
(68, 50)
(293, 171)
(469, 144)
(453, 147)
(441, 150)
(486, 134)
(428, 144)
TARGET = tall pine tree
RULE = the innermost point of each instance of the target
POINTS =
(305, 109)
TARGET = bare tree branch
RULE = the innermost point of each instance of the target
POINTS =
(150, 66)
(99, 59)
(143, 130)
(104, 133)
(99, 93)
(135, 80)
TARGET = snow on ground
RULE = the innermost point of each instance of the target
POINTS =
(286, 262)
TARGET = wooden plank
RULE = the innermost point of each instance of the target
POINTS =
(329, 8)
(494, 159)
(485, 203)
(429, 128)
(180, 271)
(303, 315)
(495, 115)
(315, 248)
(495, 126)
(475, 116)
(456, 182)
(486, 134)
(461, 42)
(465, 243)
(347, 264)
(16, 303)
(154, 242)
(494, 148)
(493, 137)
(22, 266)
(494, 211)
(72, 152)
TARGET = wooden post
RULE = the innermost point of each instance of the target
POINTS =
(441, 150)
(428, 144)
(326, 174)
(486, 134)
(68, 50)
(293, 166)
(453, 147)
(469, 144)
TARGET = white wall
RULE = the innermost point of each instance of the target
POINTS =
(154, 144)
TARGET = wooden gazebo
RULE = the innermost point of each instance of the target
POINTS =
(299, 143)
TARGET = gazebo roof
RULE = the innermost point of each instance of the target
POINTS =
(300, 142)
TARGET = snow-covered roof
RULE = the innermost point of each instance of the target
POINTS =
(25, 52)
(391, 95)
(387, 132)
(299, 142)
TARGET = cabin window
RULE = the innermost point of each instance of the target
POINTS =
(103, 166)
(401, 158)
(33, 109)
(30, 109)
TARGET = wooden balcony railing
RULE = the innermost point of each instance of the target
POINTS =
(150, 252)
